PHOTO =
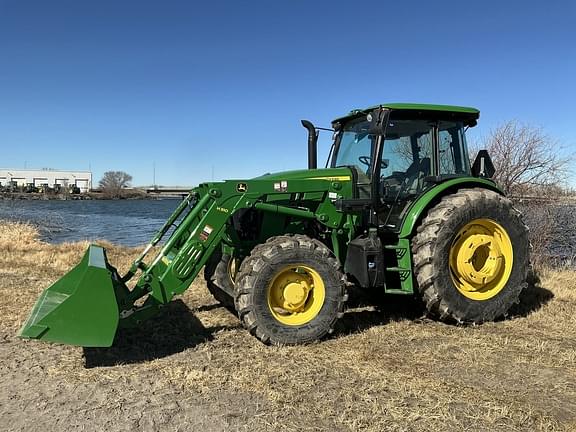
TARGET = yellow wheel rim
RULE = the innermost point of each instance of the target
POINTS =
(296, 295)
(232, 269)
(481, 259)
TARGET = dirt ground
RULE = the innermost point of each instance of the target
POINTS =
(193, 368)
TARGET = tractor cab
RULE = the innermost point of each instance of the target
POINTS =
(398, 151)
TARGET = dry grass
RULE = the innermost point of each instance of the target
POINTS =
(384, 370)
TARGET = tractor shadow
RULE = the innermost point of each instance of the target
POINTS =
(174, 330)
(369, 310)
(177, 329)
(366, 310)
(532, 298)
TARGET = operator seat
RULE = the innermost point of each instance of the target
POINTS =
(415, 175)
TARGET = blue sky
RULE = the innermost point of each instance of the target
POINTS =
(208, 90)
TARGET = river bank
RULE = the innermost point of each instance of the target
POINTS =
(133, 194)
(194, 367)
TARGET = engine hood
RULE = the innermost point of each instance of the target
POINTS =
(335, 174)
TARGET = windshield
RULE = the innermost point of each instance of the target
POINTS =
(355, 147)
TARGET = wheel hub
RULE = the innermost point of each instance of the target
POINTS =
(481, 259)
(296, 295)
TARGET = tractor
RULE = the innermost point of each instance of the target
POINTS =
(399, 209)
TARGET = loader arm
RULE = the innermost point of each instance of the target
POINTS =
(199, 224)
(203, 217)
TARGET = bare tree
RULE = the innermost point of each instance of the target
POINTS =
(113, 182)
(529, 162)
(526, 159)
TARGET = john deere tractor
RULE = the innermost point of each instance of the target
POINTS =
(399, 210)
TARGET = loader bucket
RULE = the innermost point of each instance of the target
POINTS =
(80, 308)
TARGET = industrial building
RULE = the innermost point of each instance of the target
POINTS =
(46, 177)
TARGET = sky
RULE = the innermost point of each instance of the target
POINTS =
(182, 92)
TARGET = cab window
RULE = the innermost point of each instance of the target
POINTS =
(406, 159)
(453, 159)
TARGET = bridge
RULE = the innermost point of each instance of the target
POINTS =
(167, 191)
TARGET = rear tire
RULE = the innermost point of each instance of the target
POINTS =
(290, 290)
(471, 257)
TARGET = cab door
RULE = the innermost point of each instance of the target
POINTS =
(407, 161)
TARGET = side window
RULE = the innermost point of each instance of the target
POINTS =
(406, 159)
(452, 148)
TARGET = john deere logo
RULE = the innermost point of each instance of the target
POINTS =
(241, 187)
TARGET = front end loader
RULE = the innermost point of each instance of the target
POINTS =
(399, 210)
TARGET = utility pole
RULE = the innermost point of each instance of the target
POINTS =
(154, 174)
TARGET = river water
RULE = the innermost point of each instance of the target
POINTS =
(125, 222)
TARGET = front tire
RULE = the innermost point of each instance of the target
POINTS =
(219, 274)
(471, 257)
(290, 290)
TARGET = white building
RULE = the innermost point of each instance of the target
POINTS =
(50, 177)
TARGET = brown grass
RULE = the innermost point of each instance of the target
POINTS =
(384, 370)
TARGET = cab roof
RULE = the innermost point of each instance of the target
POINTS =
(416, 110)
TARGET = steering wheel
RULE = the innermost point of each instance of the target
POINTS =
(366, 160)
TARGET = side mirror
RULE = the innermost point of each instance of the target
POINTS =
(483, 166)
(377, 119)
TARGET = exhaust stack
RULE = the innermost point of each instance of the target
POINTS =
(312, 144)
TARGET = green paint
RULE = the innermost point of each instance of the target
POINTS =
(315, 174)
(404, 269)
(425, 201)
(80, 308)
(278, 209)
(466, 111)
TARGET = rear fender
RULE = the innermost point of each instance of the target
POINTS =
(419, 208)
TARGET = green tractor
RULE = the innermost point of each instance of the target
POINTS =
(400, 210)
